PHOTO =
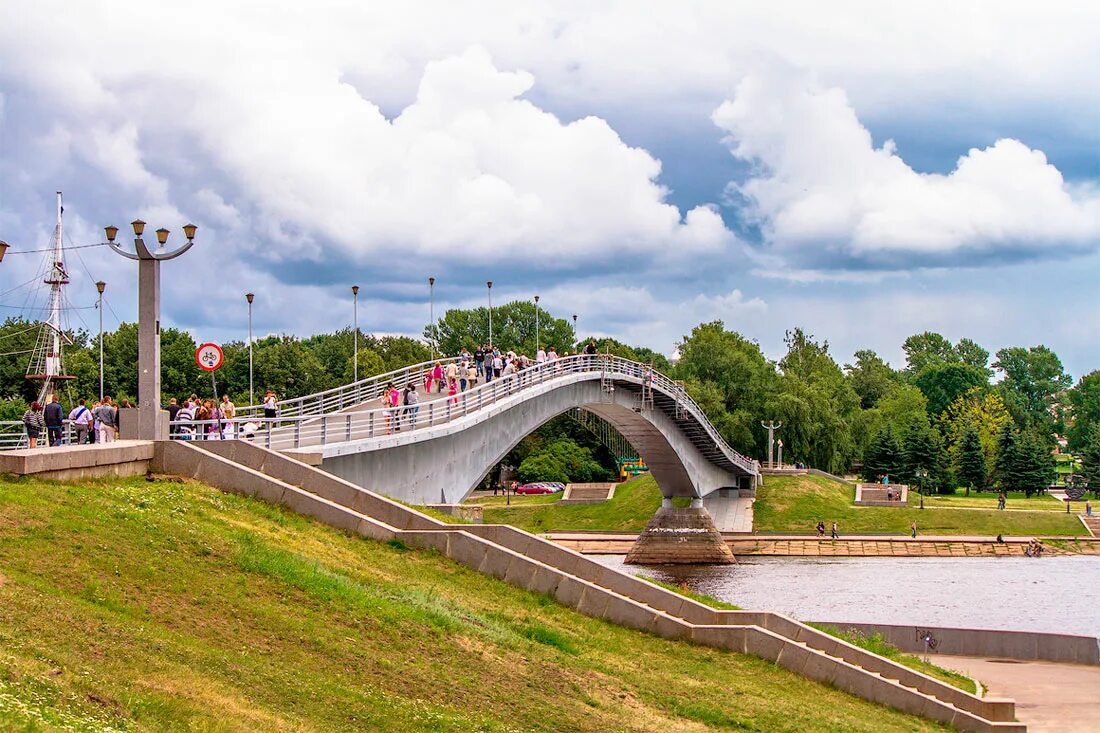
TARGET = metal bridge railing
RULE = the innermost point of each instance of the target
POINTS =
(348, 395)
(305, 428)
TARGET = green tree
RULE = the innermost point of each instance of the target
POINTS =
(884, 456)
(971, 354)
(562, 460)
(1090, 461)
(513, 328)
(1036, 463)
(283, 364)
(1084, 406)
(737, 370)
(927, 349)
(816, 404)
(981, 409)
(922, 448)
(871, 378)
(1033, 383)
(970, 464)
(943, 383)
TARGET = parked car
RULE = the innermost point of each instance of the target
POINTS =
(541, 487)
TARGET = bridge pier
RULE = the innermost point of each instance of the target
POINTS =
(680, 536)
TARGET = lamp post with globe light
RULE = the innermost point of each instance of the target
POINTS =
(152, 422)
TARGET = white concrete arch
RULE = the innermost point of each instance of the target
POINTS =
(443, 463)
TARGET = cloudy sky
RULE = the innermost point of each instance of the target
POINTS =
(862, 170)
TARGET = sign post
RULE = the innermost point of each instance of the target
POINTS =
(209, 357)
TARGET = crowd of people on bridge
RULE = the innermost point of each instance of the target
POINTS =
(483, 365)
(98, 421)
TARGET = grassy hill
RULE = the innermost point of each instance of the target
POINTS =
(796, 503)
(159, 606)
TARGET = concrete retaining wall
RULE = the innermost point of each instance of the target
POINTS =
(76, 462)
(1022, 645)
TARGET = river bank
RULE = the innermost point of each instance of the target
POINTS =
(612, 543)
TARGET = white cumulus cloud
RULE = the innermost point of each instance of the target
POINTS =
(822, 192)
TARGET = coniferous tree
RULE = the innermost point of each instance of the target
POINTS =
(1090, 461)
(971, 467)
(884, 456)
(1007, 469)
(923, 451)
(1036, 464)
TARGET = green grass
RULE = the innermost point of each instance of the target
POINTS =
(797, 503)
(149, 606)
(878, 645)
(988, 500)
(635, 502)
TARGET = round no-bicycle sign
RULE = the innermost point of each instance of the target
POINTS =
(209, 357)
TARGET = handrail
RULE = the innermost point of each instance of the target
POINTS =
(335, 399)
(303, 430)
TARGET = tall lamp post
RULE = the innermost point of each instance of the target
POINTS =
(100, 287)
(489, 284)
(537, 344)
(574, 329)
(355, 333)
(431, 312)
(152, 421)
(251, 397)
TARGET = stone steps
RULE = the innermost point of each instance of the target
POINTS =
(1092, 524)
(527, 561)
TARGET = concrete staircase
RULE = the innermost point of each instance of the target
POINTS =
(1092, 524)
(530, 562)
(587, 493)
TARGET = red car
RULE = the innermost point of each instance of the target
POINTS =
(541, 487)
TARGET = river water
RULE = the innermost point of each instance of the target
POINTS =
(1051, 594)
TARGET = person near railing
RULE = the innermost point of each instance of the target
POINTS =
(33, 423)
(54, 416)
(107, 417)
(184, 417)
(412, 404)
(81, 420)
(387, 415)
(270, 409)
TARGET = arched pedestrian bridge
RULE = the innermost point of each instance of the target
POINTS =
(441, 450)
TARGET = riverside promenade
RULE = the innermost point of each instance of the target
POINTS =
(607, 543)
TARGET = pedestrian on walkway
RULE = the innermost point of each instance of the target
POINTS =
(81, 419)
(412, 404)
(820, 528)
(1088, 509)
(34, 422)
(913, 530)
(835, 533)
(270, 409)
(54, 417)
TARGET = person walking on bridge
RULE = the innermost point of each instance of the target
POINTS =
(34, 423)
(412, 404)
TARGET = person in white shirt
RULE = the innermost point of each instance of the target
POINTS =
(551, 354)
(81, 419)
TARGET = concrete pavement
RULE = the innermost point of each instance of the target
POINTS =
(1050, 698)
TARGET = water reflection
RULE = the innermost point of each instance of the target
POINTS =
(1053, 594)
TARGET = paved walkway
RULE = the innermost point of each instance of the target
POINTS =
(1050, 698)
(730, 514)
(850, 546)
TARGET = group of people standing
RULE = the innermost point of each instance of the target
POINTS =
(202, 418)
(96, 424)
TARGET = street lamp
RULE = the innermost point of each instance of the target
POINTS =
(251, 396)
(150, 424)
(489, 284)
(355, 333)
(537, 344)
(574, 329)
(100, 286)
(431, 313)
(922, 474)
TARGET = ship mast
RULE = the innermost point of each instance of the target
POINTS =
(46, 364)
